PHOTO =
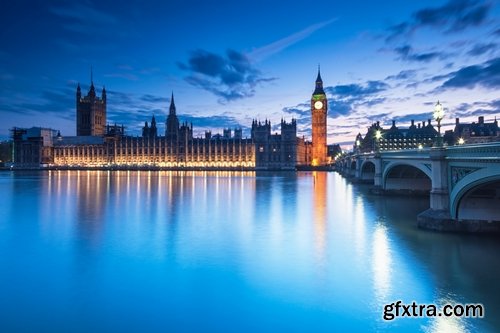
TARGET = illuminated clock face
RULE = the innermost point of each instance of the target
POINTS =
(318, 105)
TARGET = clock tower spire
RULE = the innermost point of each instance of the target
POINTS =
(319, 110)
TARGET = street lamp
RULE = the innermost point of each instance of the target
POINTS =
(378, 136)
(438, 115)
(461, 141)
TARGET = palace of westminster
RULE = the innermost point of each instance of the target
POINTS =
(98, 144)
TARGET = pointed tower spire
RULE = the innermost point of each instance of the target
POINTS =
(319, 84)
(92, 89)
(172, 124)
(78, 94)
(172, 105)
(318, 79)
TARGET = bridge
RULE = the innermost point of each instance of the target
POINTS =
(463, 182)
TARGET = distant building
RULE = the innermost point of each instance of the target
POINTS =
(98, 144)
(472, 132)
(150, 132)
(36, 147)
(33, 147)
(279, 151)
(332, 151)
(394, 138)
(5, 152)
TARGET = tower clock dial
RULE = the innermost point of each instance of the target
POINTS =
(318, 105)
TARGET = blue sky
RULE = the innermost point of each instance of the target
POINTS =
(228, 62)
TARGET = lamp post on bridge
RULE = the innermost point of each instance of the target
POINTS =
(438, 116)
(377, 181)
(358, 146)
(378, 136)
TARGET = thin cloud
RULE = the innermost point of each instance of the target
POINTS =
(407, 53)
(477, 109)
(403, 75)
(126, 76)
(81, 12)
(128, 72)
(84, 19)
(154, 99)
(457, 15)
(281, 44)
(356, 90)
(453, 16)
(482, 48)
(486, 75)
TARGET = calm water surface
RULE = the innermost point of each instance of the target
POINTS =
(97, 251)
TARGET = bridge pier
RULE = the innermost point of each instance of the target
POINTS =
(438, 216)
(463, 182)
(377, 180)
(439, 194)
(441, 221)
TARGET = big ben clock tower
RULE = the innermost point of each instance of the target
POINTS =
(319, 109)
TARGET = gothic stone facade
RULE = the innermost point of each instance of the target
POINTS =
(319, 110)
(90, 112)
(176, 149)
(279, 151)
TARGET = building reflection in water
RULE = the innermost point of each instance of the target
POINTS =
(320, 216)
(77, 202)
(359, 226)
(307, 237)
(91, 205)
(381, 264)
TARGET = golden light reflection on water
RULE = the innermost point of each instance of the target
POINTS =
(74, 202)
(143, 196)
(320, 215)
(299, 224)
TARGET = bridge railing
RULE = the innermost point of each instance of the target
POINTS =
(490, 149)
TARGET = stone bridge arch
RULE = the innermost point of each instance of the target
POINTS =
(367, 170)
(464, 182)
(418, 183)
(352, 167)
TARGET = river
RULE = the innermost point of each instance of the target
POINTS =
(167, 251)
